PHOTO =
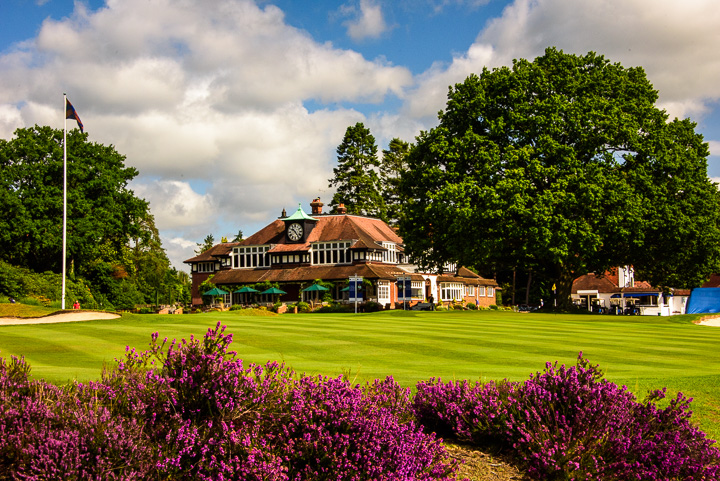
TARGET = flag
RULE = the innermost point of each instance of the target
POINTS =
(70, 113)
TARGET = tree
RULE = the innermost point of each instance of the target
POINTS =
(565, 166)
(102, 212)
(356, 180)
(239, 236)
(393, 165)
(206, 244)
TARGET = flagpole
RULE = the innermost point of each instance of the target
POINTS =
(64, 233)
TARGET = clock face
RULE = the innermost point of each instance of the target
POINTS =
(295, 232)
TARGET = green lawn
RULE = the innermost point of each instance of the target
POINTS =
(640, 352)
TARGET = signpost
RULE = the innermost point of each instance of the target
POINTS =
(404, 287)
(355, 294)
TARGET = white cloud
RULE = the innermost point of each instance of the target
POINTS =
(179, 250)
(675, 42)
(174, 204)
(367, 22)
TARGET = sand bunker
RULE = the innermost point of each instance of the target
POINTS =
(70, 316)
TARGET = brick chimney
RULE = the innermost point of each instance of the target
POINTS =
(341, 209)
(316, 206)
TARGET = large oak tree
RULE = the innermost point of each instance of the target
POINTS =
(564, 166)
(104, 215)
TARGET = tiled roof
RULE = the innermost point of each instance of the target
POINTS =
(219, 250)
(467, 276)
(714, 281)
(273, 233)
(367, 231)
(608, 284)
(592, 282)
(290, 248)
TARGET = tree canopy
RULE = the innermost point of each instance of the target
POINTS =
(112, 240)
(563, 165)
(102, 210)
(355, 178)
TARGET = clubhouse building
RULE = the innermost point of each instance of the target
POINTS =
(294, 251)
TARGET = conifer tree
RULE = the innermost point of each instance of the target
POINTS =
(356, 178)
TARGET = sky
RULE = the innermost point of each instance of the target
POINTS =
(231, 110)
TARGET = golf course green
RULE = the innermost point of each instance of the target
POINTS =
(642, 353)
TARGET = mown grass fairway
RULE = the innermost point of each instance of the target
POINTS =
(640, 352)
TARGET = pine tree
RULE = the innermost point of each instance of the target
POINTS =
(356, 178)
(394, 163)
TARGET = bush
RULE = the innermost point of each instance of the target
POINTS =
(472, 306)
(336, 307)
(303, 306)
(569, 423)
(372, 306)
(192, 410)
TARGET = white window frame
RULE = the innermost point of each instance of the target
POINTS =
(451, 291)
(204, 267)
(251, 257)
(383, 292)
(390, 255)
(330, 253)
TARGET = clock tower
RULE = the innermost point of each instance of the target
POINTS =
(298, 226)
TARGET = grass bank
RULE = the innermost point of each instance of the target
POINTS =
(641, 352)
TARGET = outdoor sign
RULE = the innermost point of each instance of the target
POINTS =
(404, 287)
(355, 292)
(355, 288)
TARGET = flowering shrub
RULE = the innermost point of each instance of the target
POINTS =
(570, 423)
(192, 410)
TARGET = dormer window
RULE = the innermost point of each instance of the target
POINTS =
(391, 253)
(331, 253)
(251, 257)
(202, 267)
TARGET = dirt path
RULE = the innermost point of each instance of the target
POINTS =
(70, 316)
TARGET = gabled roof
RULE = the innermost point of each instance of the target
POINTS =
(466, 276)
(219, 250)
(608, 283)
(366, 231)
(593, 282)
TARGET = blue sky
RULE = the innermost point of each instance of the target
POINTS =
(232, 109)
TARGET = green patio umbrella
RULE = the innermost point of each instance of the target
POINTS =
(315, 288)
(273, 290)
(215, 291)
(246, 290)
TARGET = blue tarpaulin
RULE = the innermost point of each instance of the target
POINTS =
(704, 300)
